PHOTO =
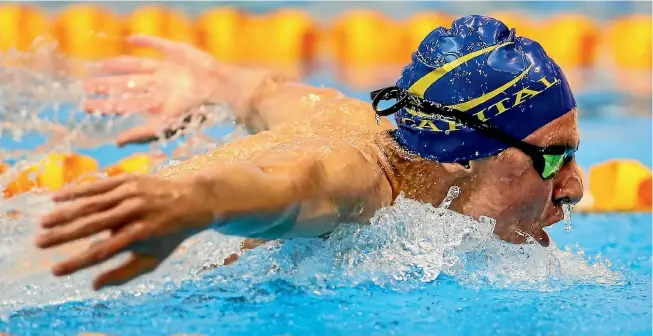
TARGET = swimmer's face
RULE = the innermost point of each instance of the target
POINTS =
(507, 188)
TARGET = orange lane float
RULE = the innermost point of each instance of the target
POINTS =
(255, 38)
(21, 25)
(571, 40)
(362, 37)
(159, 21)
(296, 38)
(218, 32)
(628, 42)
(620, 185)
(89, 32)
(56, 170)
(51, 173)
(645, 193)
(284, 38)
(135, 164)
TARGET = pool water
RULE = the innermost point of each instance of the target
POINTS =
(417, 270)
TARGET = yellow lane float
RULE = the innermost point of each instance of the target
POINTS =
(630, 41)
(51, 173)
(363, 37)
(89, 32)
(620, 186)
(21, 25)
(295, 35)
(135, 164)
(160, 21)
(418, 26)
(217, 32)
(56, 170)
(571, 40)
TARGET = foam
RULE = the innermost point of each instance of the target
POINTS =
(404, 246)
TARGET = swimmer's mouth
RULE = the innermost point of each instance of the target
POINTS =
(554, 218)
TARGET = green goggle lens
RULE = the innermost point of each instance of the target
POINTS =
(552, 164)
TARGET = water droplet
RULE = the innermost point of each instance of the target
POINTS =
(566, 210)
(453, 192)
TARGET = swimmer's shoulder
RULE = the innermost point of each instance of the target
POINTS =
(351, 114)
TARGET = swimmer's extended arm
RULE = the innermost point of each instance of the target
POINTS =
(188, 78)
(264, 99)
(301, 192)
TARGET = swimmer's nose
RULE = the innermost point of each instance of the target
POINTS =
(568, 188)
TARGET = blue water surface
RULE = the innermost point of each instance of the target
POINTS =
(443, 307)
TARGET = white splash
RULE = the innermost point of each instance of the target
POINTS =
(405, 245)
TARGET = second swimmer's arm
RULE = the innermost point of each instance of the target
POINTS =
(298, 193)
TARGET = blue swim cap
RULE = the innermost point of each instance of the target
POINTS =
(482, 68)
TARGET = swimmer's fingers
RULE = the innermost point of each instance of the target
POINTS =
(128, 65)
(102, 251)
(136, 266)
(139, 134)
(87, 226)
(122, 105)
(116, 85)
(84, 206)
(166, 128)
(71, 192)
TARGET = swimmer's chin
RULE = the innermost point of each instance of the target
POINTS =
(543, 238)
(520, 237)
(539, 235)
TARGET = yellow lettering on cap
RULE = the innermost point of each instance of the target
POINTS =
(484, 98)
(421, 85)
(546, 82)
(523, 94)
(452, 126)
(499, 105)
(429, 123)
(404, 120)
(481, 115)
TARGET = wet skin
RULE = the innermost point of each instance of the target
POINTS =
(316, 158)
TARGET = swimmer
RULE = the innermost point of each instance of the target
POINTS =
(478, 107)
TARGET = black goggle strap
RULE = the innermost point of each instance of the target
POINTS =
(408, 100)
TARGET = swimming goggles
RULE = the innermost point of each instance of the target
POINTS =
(547, 161)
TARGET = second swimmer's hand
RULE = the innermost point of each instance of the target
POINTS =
(147, 216)
(168, 90)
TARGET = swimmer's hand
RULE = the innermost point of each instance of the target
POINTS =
(170, 89)
(147, 216)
